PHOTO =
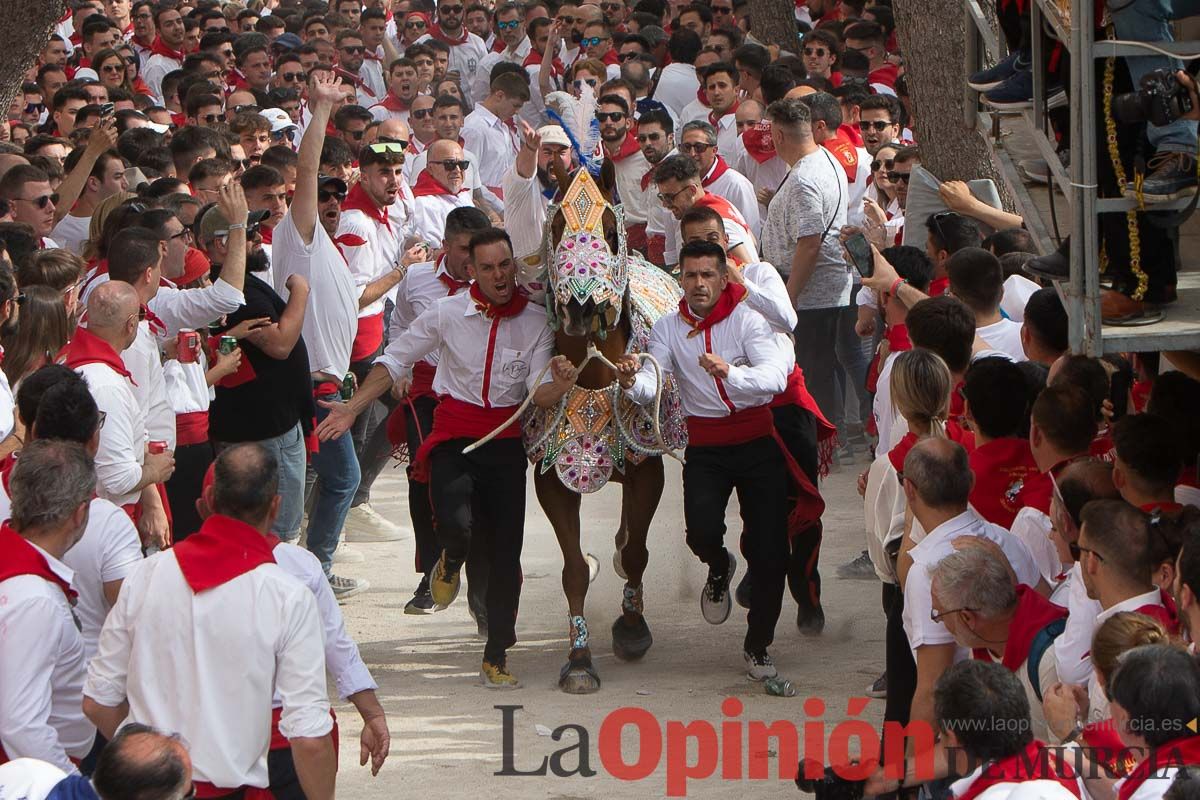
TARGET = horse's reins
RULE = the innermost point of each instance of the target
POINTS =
(592, 352)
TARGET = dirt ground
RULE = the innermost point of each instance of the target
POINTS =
(448, 739)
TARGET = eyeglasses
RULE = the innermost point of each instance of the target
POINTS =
(567, 20)
(624, 57)
(420, 113)
(40, 202)
(611, 7)
(352, 49)
(416, 23)
(863, 50)
(591, 41)
(819, 52)
(886, 163)
(450, 164)
(140, 316)
(511, 25)
(324, 196)
(668, 199)
(894, 176)
(877, 125)
(610, 116)
(298, 77)
(130, 61)
(589, 81)
(183, 234)
(696, 147)
(35, 108)
(389, 146)
(937, 616)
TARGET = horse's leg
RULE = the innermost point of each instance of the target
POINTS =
(642, 491)
(561, 506)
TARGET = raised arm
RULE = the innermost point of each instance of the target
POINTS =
(323, 90)
(102, 139)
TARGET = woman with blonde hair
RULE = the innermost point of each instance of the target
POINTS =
(92, 247)
(42, 330)
(59, 269)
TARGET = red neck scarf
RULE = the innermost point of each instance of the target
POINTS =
(719, 168)
(1165, 613)
(427, 185)
(628, 148)
(157, 326)
(1038, 489)
(898, 453)
(1033, 613)
(452, 284)
(851, 134)
(715, 120)
(610, 59)
(393, 103)
(160, 48)
(897, 338)
(535, 59)
(939, 286)
(236, 81)
(1175, 753)
(436, 32)
(1001, 467)
(886, 75)
(648, 178)
(86, 347)
(223, 549)
(484, 306)
(757, 140)
(724, 208)
(733, 294)
(357, 199)
(345, 240)
(1034, 763)
(19, 557)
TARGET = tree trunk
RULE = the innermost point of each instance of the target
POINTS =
(29, 24)
(933, 41)
(773, 22)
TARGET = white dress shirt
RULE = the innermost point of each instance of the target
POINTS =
(1073, 647)
(936, 545)
(207, 665)
(371, 73)
(471, 179)
(890, 426)
(757, 368)
(727, 134)
(194, 308)
(465, 59)
(155, 68)
(187, 385)
(367, 263)
(382, 113)
(330, 318)
(122, 436)
(144, 362)
(692, 112)
(420, 289)
(429, 215)
(525, 205)
(767, 294)
(677, 86)
(72, 232)
(737, 232)
(41, 671)
(8, 406)
(629, 172)
(493, 142)
(462, 336)
(1098, 706)
(739, 191)
(1032, 527)
(481, 86)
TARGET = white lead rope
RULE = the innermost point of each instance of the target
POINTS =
(592, 352)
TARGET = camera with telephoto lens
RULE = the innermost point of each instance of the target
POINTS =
(830, 786)
(1160, 100)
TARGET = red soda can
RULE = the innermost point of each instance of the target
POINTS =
(157, 446)
(188, 344)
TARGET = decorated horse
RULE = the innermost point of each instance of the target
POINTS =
(602, 300)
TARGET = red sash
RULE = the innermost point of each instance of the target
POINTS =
(223, 549)
(1001, 467)
(455, 419)
(1033, 614)
(368, 337)
(1107, 747)
(1177, 752)
(19, 557)
(1034, 763)
(206, 790)
(796, 394)
(357, 199)
(422, 380)
(191, 428)
(281, 742)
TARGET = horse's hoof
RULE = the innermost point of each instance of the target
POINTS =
(593, 566)
(618, 567)
(579, 677)
(630, 642)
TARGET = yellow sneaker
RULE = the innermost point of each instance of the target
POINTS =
(497, 676)
(443, 583)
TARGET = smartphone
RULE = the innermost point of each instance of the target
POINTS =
(860, 253)
(106, 109)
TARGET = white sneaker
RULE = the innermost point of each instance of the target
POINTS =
(345, 554)
(344, 588)
(365, 525)
(760, 666)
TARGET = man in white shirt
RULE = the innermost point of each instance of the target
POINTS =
(166, 53)
(210, 631)
(106, 178)
(528, 187)
(915, 268)
(656, 137)
(402, 90)
(125, 471)
(467, 50)
(448, 115)
(490, 131)
(677, 82)
(754, 154)
(698, 140)
(491, 344)
(621, 148)
(728, 367)
(42, 662)
(679, 189)
(977, 279)
(510, 22)
(937, 484)
(721, 89)
(438, 190)
(27, 190)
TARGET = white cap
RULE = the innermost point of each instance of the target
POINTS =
(553, 134)
(86, 73)
(279, 119)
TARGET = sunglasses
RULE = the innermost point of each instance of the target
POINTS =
(420, 113)
(722, 9)
(591, 41)
(648, 137)
(450, 164)
(242, 163)
(819, 52)
(887, 163)
(209, 119)
(696, 147)
(130, 61)
(567, 20)
(298, 77)
(419, 23)
(355, 135)
(325, 196)
(611, 7)
(390, 146)
(35, 108)
(352, 49)
(877, 125)
(286, 133)
(450, 10)
(509, 26)
(624, 57)
(40, 202)
(115, 68)
(589, 81)
(610, 116)
(240, 109)
(894, 176)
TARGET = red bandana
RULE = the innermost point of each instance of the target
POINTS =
(1165, 613)
(719, 168)
(19, 557)
(628, 148)
(939, 286)
(611, 58)
(436, 32)
(220, 551)
(157, 326)
(427, 186)
(358, 200)
(1174, 753)
(851, 133)
(886, 75)
(757, 140)
(236, 81)
(1001, 467)
(715, 121)
(733, 294)
(492, 311)
(1033, 613)
(88, 348)
(1038, 489)
(724, 208)
(157, 46)
(1034, 763)
(897, 338)
(266, 233)
(347, 240)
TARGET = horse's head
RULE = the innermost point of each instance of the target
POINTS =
(587, 272)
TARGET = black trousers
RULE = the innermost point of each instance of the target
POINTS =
(479, 507)
(901, 668)
(816, 353)
(419, 419)
(184, 486)
(281, 771)
(797, 427)
(756, 470)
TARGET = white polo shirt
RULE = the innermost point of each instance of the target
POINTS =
(144, 362)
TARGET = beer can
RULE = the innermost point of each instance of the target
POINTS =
(157, 446)
(188, 345)
(227, 345)
(347, 390)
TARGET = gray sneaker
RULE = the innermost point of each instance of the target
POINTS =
(715, 600)
(344, 588)
(860, 569)
(760, 665)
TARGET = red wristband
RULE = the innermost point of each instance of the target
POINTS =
(896, 285)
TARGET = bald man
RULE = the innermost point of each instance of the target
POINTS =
(125, 471)
(439, 189)
(7, 162)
